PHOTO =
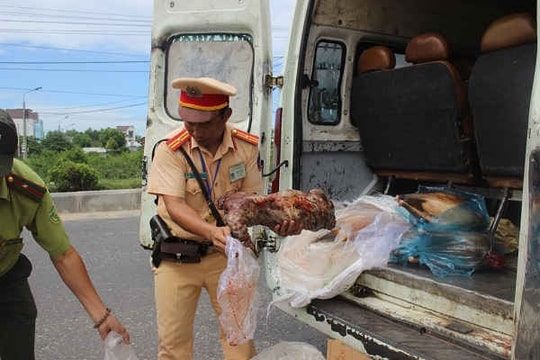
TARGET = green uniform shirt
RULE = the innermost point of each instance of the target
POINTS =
(34, 210)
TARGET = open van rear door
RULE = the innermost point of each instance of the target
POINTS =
(225, 39)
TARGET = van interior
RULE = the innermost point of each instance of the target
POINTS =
(437, 93)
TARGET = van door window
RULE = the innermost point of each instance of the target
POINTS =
(325, 97)
(226, 57)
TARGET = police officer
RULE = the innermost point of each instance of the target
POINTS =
(25, 202)
(227, 159)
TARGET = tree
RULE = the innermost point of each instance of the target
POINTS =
(56, 141)
(82, 139)
(34, 147)
(113, 139)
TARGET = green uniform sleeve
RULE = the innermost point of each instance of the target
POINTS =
(47, 228)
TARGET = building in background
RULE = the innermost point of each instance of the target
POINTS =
(33, 124)
(129, 134)
(40, 131)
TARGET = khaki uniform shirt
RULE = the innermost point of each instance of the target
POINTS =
(170, 174)
(18, 210)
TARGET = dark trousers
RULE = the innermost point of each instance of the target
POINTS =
(17, 313)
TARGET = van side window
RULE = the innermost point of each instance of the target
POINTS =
(325, 97)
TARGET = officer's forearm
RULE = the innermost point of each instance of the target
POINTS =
(72, 270)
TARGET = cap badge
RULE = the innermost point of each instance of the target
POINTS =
(194, 91)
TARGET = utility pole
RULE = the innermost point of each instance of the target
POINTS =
(24, 146)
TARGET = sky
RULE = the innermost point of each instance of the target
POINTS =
(90, 58)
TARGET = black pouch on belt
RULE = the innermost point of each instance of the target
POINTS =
(172, 247)
(185, 251)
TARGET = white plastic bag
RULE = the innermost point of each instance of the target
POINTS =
(237, 293)
(324, 264)
(290, 351)
(116, 349)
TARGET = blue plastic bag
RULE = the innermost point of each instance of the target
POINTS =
(444, 253)
(453, 243)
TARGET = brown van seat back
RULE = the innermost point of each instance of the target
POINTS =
(409, 118)
(499, 95)
(376, 58)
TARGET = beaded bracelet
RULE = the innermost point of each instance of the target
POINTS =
(102, 320)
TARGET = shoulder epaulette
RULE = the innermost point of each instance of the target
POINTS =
(26, 187)
(178, 140)
(247, 137)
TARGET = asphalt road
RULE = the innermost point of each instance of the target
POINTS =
(119, 268)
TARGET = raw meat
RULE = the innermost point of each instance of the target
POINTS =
(312, 209)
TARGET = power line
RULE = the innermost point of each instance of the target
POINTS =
(75, 62)
(76, 11)
(75, 92)
(72, 16)
(128, 24)
(92, 111)
(65, 49)
(74, 32)
(93, 105)
(75, 70)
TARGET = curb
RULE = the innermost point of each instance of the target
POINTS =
(97, 201)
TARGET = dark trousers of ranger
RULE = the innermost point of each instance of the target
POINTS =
(17, 313)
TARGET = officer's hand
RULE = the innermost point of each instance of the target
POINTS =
(112, 323)
(287, 228)
(219, 237)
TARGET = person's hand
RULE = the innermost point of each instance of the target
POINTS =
(112, 323)
(219, 237)
(287, 228)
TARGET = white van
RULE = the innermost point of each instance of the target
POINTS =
(383, 96)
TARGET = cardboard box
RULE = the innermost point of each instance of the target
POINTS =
(338, 350)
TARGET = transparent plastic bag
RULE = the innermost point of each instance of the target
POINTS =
(237, 293)
(322, 265)
(116, 349)
(290, 350)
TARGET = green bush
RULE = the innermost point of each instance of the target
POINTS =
(115, 170)
(67, 175)
(126, 165)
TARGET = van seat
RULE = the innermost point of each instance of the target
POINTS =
(409, 118)
(376, 58)
(499, 95)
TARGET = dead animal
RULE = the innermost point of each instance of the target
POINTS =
(445, 209)
(313, 210)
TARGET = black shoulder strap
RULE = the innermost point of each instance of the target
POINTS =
(152, 158)
(156, 145)
(211, 205)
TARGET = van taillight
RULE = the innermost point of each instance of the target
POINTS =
(277, 148)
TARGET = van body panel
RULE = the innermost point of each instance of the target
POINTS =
(527, 300)
(225, 39)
